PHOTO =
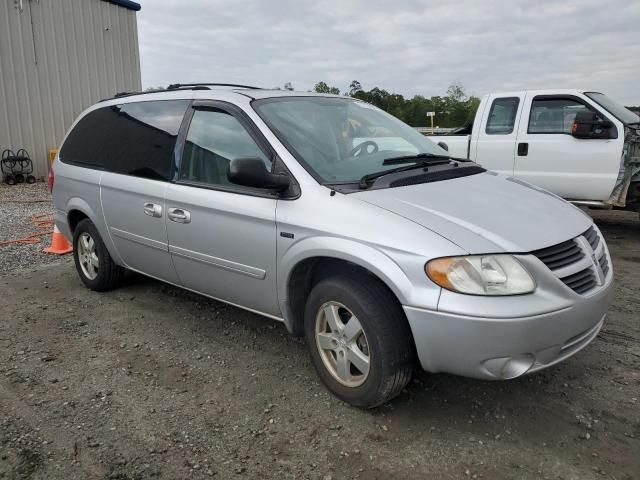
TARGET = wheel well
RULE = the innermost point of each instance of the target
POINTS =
(308, 273)
(75, 217)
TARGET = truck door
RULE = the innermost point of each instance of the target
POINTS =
(550, 157)
(497, 132)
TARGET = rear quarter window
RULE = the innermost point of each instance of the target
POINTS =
(87, 144)
(133, 138)
(502, 116)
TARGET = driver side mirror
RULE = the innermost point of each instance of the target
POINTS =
(252, 172)
(587, 125)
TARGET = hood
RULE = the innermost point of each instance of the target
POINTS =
(485, 213)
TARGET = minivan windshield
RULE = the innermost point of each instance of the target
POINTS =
(623, 114)
(342, 140)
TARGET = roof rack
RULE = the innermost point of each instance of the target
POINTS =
(130, 94)
(181, 86)
(175, 86)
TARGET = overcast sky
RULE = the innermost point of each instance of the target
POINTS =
(409, 47)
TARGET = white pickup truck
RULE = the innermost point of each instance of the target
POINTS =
(580, 145)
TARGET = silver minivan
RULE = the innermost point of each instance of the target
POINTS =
(339, 220)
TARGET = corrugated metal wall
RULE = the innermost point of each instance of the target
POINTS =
(57, 57)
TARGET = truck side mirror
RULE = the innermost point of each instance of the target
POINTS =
(588, 125)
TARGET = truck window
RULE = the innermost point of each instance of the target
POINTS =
(554, 115)
(502, 116)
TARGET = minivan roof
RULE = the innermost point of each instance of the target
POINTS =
(190, 91)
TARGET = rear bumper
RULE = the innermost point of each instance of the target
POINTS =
(503, 348)
(61, 221)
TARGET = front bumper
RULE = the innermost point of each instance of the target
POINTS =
(503, 348)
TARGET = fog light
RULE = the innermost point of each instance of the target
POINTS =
(510, 367)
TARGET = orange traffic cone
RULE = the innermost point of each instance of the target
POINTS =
(59, 244)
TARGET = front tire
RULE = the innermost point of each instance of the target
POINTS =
(359, 339)
(95, 266)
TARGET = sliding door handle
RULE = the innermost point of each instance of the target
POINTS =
(179, 215)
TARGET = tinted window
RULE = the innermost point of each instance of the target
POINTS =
(88, 142)
(133, 138)
(502, 116)
(554, 115)
(215, 138)
(143, 142)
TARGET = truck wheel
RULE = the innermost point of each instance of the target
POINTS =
(95, 266)
(359, 339)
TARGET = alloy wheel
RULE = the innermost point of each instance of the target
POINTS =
(342, 344)
(87, 256)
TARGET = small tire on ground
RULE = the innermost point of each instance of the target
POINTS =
(10, 180)
(19, 178)
(391, 345)
(109, 273)
(31, 179)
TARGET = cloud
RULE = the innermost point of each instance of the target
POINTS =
(410, 47)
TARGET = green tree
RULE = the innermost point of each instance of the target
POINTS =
(456, 109)
(322, 87)
(354, 88)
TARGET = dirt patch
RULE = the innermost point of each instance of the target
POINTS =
(149, 381)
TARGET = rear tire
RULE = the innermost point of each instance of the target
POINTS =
(94, 264)
(384, 348)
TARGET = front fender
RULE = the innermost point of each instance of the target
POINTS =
(372, 259)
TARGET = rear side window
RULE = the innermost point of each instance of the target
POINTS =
(134, 138)
(555, 115)
(502, 116)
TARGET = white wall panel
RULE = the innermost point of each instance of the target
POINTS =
(58, 57)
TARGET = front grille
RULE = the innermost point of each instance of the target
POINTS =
(561, 255)
(604, 264)
(581, 282)
(572, 252)
(592, 237)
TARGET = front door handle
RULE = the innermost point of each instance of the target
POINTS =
(523, 149)
(179, 215)
(153, 210)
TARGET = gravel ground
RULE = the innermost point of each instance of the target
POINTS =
(15, 222)
(149, 381)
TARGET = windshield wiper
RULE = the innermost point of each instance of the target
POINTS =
(420, 157)
(417, 162)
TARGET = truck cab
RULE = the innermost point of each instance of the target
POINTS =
(580, 145)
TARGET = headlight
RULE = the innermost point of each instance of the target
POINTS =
(481, 275)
